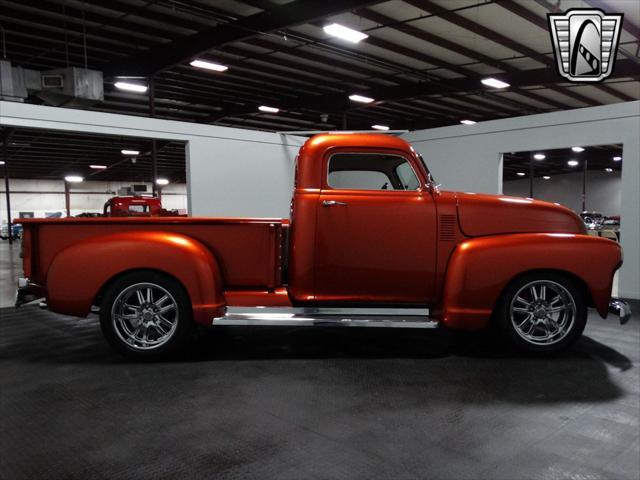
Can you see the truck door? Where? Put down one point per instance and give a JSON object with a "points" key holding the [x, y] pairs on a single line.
{"points": [[376, 230]]}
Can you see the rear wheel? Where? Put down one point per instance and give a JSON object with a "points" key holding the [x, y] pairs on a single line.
{"points": [[543, 312], [146, 315]]}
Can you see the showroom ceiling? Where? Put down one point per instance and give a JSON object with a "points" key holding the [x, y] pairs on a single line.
{"points": [[47, 154], [422, 63], [604, 158]]}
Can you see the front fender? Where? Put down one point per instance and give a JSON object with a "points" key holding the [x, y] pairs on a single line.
{"points": [[480, 269], [81, 270]]}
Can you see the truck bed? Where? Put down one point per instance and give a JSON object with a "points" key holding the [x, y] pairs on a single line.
{"points": [[248, 249]]}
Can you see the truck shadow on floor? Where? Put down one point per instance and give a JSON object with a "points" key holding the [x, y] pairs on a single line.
{"points": [[243, 343], [432, 362]]}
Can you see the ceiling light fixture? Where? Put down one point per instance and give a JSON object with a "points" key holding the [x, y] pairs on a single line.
{"points": [[1, 162], [521, 174], [577, 149], [162, 181], [360, 98], [131, 87], [380, 127], [264, 108], [608, 170], [572, 163], [130, 152], [539, 156], [208, 65], [617, 159], [546, 177], [98, 167], [494, 82], [345, 33], [73, 179], [467, 122]]}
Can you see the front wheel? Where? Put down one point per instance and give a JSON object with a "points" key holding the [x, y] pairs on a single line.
{"points": [[543, 313], [146, 315]]}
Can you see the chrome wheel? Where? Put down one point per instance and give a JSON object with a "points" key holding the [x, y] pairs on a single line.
{"points": [[543, 312], [144, 316]]}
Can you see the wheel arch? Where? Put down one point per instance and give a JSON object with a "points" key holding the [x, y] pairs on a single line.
{"points": [[79, 273], [481, 268]]}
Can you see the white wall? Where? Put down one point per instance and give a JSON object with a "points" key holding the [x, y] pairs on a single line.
{"points": [[603, 190], [252, 177], [468, 158], [42, 196]]}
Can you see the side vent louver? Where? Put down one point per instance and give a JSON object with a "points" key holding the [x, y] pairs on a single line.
{"points": [[447, 228]]}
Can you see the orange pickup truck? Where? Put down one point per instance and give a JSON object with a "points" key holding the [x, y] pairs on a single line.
{"points": [[371, 241]]}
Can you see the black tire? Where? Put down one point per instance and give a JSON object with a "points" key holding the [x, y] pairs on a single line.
{"points": [[146, 322], [539, 318]]}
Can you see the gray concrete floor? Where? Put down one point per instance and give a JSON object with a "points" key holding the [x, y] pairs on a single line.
{"points": [[315, 403]]}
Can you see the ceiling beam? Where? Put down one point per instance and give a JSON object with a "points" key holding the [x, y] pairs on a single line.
{"points": [[184, 49]]}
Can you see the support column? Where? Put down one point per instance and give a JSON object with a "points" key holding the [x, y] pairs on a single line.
{"points": [[584, 185], [5, 157], [531, 174], [67, 198], [154, 147]]}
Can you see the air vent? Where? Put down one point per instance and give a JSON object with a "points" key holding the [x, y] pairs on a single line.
{"points": [[447, 228]]}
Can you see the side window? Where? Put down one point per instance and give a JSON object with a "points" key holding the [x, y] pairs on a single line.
{"points": [[371, 171]]}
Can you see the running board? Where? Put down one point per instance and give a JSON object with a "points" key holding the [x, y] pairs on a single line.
{"points": [[327, 317]]}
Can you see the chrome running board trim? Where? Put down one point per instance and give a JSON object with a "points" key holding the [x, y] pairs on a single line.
{"points": [[327, 317]]}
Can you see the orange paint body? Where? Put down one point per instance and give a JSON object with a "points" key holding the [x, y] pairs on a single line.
{"points": [[451, 252]]}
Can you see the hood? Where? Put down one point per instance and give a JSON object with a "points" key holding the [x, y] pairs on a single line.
{"points": [[482, 214]]}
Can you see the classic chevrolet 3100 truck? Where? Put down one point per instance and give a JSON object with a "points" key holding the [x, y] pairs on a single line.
{"points": [[371, 241]]}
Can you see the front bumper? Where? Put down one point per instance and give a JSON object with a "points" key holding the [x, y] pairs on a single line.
{"points": [[621, 309]]}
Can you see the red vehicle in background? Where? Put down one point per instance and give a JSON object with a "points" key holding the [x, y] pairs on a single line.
{"points": [[137, 206], [134, 206], [371, 241]]}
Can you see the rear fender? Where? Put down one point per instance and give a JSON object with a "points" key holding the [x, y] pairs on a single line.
{"points": [[480, 269], [79, 272]]}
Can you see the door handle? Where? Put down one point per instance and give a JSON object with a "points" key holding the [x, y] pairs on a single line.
{"points": [[333, 203]]}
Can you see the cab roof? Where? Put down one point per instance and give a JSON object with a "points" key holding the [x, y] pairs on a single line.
{"points": [[309, 160]]}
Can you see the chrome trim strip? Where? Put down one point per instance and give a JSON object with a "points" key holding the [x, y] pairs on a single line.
{"points": [[621, 309], [326, 317]]}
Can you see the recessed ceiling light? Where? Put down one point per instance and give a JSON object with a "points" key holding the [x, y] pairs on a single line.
{"points": [[521, 174], [577, 149], [130, 152], [539, 156], [617, 159], [345, 33], [546, 177], [98, 167], [494, 82], [162, 181], [73, 178], [208, 65], [380, 127], [572, 163], [467, 122], [131, 87], [264, 108], [360, 98], [1, 162], [608, 170]]}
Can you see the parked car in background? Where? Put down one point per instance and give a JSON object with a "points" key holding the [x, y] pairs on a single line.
{"points": [[16, 231], [371, 241]]}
